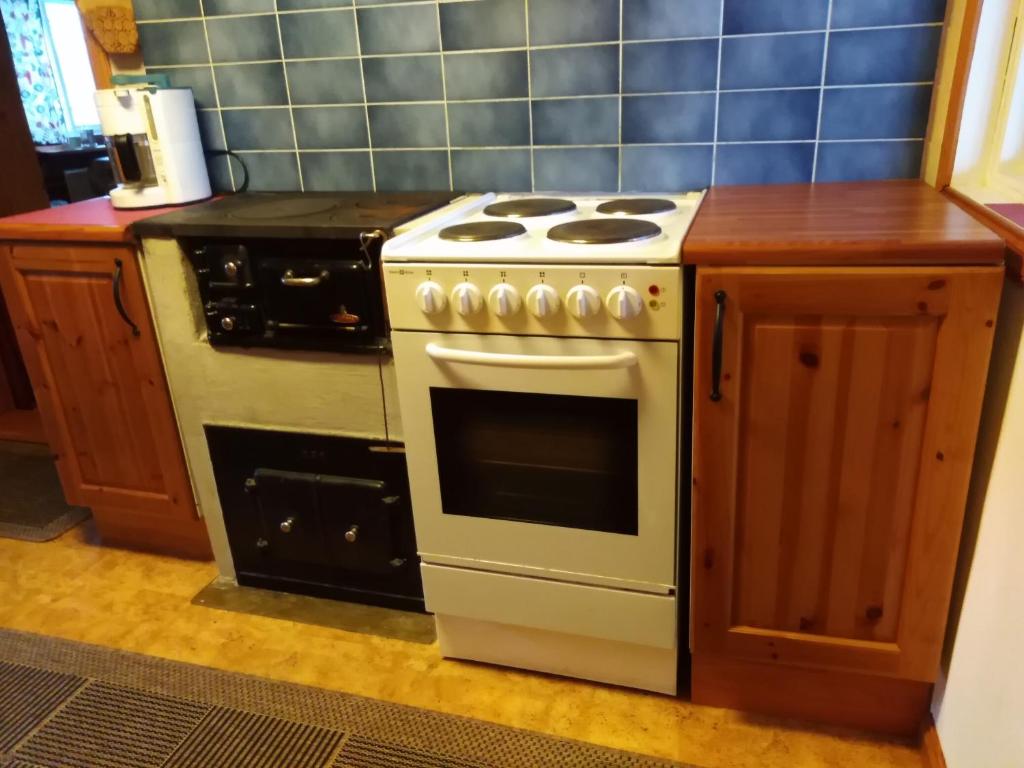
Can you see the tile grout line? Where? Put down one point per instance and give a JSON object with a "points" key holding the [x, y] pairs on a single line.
{"points": [[621, 46], [288, 96], [529, 92], [216, 98], [366, 103], [718, 94], [444, 97], [821, 95]]}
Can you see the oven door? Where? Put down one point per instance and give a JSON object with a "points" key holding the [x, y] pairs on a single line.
{"points": [[544, 456]]}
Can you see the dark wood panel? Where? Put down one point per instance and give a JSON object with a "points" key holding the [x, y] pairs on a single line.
{"points": [[885, 223]]}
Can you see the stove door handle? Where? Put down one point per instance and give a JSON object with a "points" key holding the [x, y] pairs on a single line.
{"points": [[289, 279], [501, 360]]}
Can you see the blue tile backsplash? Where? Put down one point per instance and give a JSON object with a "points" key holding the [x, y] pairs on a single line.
{"points": [[573, 95]]}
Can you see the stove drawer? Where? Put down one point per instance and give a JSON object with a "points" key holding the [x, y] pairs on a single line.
{"points": [[599, 612]]}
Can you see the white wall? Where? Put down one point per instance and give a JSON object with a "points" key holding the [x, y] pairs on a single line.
{"points": [[979, 702]]}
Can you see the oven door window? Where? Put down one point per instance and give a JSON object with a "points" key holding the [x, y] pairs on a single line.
{"points": [[537, 458]]}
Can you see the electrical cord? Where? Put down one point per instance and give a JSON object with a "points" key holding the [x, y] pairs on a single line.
{"points": [[229, 154]]}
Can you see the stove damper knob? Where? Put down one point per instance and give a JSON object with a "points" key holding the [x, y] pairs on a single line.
{"points": [[624, 303], [227, 323], [467, 299], [583, 301], [542, 300], [430, 297], [504, 300]]}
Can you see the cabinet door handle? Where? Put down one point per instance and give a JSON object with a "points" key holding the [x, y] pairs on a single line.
{"points": [[716, 347], [118, 268]]}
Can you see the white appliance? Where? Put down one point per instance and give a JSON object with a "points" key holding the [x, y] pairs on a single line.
{"points": [[537, 349], [155, 151]]}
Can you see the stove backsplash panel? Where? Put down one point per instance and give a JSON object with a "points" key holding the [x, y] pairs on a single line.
{"points": [[572, 95]]}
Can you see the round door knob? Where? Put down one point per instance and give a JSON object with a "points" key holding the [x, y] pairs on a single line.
{"points": [[504, 300], [227, 323], [352, 534], [583, 301], [624, 302], [467, 299], [430, 297], [231, 269], [287, 525], [542, 300]]}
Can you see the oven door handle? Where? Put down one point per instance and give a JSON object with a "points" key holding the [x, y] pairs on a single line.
{"points": [[500, 360], [289, 279]]}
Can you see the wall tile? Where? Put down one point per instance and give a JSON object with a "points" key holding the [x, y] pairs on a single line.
{"points": [[664, 119], [271, 171], [483, 24], [221, 7], [864, 160], [576, 170], [251, 85], [220, 180], [764, 163], [573, 21], [575, 71], [301, 5], [408, 125], [210, 132], [743, 17], [403, 78], [401, 29], [900, 55], [868, 13], [686, 65], [411, 170], [772, 61], [331, 171], [768, 115], [884, 112], [489, 124], [666, 169], [499, 75], [166, 9], [258, 129], [331, 128], [199, 79], [174, 42], [250, 38], [501, 170], [334, 81], [647, 19], [576, 121], [318, 33]]}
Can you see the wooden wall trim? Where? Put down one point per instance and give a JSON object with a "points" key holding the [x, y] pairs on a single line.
{"points": [[99, 59], [958, 91], [931, 747], [1006, 229]]}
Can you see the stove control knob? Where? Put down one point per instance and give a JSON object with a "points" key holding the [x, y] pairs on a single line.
{"points": [[467, 299], [430, 297], [504, 300], [542, 300], [624, 303], [583, 301], [227, 323]]}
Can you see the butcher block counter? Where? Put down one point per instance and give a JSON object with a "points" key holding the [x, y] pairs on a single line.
{"points": [[71, 280], [842, 338]]}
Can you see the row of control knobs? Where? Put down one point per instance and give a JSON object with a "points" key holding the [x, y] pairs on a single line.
{"points": [[582, 301]]}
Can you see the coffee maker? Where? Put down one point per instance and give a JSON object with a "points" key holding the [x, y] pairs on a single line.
{"points": [[152, 135]]}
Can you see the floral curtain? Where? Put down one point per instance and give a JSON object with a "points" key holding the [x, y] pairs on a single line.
{"points": [[36, 78]]}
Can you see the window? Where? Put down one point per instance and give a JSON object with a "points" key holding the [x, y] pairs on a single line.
{"points": [[72, 69]]}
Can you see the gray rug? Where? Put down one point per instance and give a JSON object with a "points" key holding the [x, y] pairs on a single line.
{"points": [[70, 705], [32, 506]]}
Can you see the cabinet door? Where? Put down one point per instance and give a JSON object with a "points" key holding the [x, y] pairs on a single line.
{"points": [[831, 469], [101, 388]]}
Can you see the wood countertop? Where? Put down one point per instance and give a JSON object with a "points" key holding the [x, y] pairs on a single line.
{"points": [[93, 220], [879, 223]]}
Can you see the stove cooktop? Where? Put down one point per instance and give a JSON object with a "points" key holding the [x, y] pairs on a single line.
{"points": [[585, 229], [325, 215]]}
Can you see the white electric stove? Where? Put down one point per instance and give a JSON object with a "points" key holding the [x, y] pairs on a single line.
{"points": [[537, 349]]}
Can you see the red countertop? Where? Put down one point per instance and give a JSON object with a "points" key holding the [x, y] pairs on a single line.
{"points": [[93, 220]]}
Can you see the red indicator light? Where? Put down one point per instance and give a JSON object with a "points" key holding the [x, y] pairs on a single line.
{"points": [[653, 290]]}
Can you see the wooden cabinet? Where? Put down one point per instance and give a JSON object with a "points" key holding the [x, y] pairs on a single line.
{"points": [[99, 382], [831, 466]]}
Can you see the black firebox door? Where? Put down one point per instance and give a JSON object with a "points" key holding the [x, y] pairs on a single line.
{"points": [[326, 516]]}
